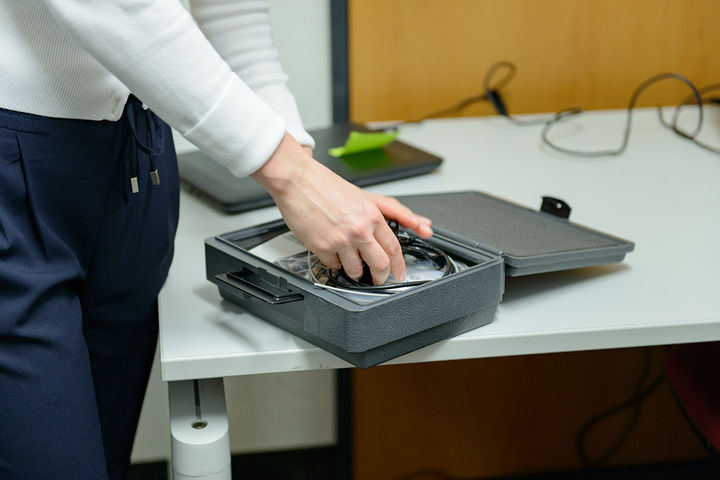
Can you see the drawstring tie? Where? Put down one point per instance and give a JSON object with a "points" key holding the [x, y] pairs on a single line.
{"points": [[153, 135]]}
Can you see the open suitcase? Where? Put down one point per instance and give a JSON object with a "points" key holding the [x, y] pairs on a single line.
{"points": [[489, 236]]}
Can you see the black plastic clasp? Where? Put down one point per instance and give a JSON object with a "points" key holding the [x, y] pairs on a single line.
{"points": [[555, 206], [253, 285]]}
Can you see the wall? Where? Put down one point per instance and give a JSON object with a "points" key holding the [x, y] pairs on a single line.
{"points": [[493, 417], [279, 411], [412, 57]]}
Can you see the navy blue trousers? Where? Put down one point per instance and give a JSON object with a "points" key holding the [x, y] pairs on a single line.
{"points": [[82, 259]]}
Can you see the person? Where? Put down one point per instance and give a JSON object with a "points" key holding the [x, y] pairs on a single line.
{"points": [[89, 203]]}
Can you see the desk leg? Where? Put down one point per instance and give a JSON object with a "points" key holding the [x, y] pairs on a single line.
{"points": [[343, 402], [200, 443]]}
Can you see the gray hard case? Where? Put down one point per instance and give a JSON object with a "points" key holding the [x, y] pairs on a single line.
{"points": [[492, 236]]}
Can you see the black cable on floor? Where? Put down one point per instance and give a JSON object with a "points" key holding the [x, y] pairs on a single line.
{"points": [[641, 392]]}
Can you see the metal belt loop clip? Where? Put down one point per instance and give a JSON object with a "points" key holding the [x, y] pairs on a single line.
{"points": [[153, 137]]}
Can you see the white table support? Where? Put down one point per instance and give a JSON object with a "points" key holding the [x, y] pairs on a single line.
{"points": [[200, 440]]}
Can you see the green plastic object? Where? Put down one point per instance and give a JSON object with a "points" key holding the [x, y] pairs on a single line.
{"points": [[362, 142]]}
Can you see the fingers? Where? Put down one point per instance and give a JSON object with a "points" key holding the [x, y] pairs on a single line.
{"points": [[391, 208], [387, 240], [378, 261], [424, 230], [351, 262], [330, 260], [382, 252]]}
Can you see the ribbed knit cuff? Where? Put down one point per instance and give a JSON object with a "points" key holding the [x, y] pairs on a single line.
{"points": [[283, 103], [240, 131]]}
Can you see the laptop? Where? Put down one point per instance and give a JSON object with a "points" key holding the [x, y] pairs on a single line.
{"points": [[213, 182]]}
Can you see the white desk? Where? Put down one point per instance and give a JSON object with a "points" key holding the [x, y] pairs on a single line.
{"points": [[663, 193]]}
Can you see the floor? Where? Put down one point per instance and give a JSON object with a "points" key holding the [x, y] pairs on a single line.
{"points": [[319, 464]]}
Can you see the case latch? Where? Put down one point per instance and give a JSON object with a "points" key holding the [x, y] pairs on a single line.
{"points": [[555, 206]]}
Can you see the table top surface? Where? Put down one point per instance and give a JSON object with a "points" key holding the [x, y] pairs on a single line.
{"points": [[663, 194]]}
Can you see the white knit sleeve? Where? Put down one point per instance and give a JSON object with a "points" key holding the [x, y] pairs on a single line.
{"points": [[240, 31], [155, 48]]}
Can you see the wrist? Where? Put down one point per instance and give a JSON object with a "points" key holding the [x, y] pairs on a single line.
{"points": [[282, 170]]}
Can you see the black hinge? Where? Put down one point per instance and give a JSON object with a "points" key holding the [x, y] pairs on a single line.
{"points": [[555, 206]]}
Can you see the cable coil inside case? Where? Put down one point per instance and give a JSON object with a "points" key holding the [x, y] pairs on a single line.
{"points": [[424, 263], [454, 284]]}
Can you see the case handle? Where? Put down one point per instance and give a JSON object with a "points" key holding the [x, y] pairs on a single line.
{"points": [[240, 281]]}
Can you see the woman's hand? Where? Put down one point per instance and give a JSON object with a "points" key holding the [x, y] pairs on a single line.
{"points": [[339, 222]]}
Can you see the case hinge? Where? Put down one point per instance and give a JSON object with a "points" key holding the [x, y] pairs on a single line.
{"points": [[556, 207]]}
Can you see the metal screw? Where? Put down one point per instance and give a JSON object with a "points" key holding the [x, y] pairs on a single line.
{"points": [[199, 424]]}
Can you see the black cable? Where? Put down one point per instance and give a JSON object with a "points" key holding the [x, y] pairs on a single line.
{"points": [[458, 107], [641, 392], [491, 93], [673, 126], [628, 124]]}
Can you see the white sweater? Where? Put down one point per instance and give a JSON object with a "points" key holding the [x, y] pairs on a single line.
{"points": [[220, 85]]}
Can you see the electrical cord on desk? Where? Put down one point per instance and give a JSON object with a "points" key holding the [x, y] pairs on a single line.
{"points": [[673, 126], [635, 402], [563, 114], [491, 93]]}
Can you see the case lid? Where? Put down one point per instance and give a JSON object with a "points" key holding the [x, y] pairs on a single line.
{"points": [[529, 241]]}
